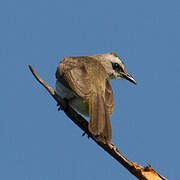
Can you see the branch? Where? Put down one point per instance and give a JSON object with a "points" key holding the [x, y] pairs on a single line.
{"points": [[141, 172]]}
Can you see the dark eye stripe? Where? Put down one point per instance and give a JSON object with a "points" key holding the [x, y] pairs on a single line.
{"points": [[117, 67]]}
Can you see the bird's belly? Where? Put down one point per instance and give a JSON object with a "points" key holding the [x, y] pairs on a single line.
{"points": [[74, 100], [80, 105]]}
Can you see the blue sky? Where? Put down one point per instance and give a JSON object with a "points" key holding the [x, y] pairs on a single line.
{"points": [[39, 143]]}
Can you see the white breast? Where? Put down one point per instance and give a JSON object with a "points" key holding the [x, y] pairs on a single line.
{"points": [[75, 101], [63, 91]]}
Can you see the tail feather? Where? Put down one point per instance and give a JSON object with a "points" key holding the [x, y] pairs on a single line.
{"points": [[107, 129], [97, 115], [99, 124]]}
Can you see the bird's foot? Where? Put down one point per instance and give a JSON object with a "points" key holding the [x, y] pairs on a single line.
{"points": [[84, 133], [111, 146], [59, 107], [64, 106]]}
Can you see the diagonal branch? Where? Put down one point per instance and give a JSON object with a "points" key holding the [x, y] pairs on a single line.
{"points": [[141, 172]]}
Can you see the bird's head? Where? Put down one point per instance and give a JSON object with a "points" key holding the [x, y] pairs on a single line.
{"points": [[114, 66]]}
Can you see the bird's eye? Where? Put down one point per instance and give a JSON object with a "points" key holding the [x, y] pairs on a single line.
{"points": [[115, 66]]}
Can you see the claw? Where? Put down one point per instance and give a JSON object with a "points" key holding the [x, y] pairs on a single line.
{"points": [[65, 102], [59, 107], [84, 133], [112, 146]]}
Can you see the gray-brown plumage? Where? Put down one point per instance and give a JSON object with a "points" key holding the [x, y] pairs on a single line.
{"points": [[85, 82]]}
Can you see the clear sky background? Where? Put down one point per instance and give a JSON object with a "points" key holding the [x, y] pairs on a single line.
{"points": [[39, 143]]}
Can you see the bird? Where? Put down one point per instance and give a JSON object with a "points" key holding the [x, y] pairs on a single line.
{"points": [[84, 82]]}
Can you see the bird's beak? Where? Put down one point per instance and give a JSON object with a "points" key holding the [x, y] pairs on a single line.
{"points": [[128, 77]]}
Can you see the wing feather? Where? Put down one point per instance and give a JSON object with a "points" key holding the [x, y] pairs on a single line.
{"points": [[109, 99], [89, 80]]}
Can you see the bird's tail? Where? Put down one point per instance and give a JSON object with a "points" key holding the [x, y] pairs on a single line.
{"points": [[99, 124]]}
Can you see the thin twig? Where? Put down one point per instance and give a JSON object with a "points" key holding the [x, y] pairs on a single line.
{"points": [[141, 172]]}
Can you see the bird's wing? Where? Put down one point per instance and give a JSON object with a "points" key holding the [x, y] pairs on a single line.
{"points": [[88, 79], [78, 78], [109, 99], [83, 75]]}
